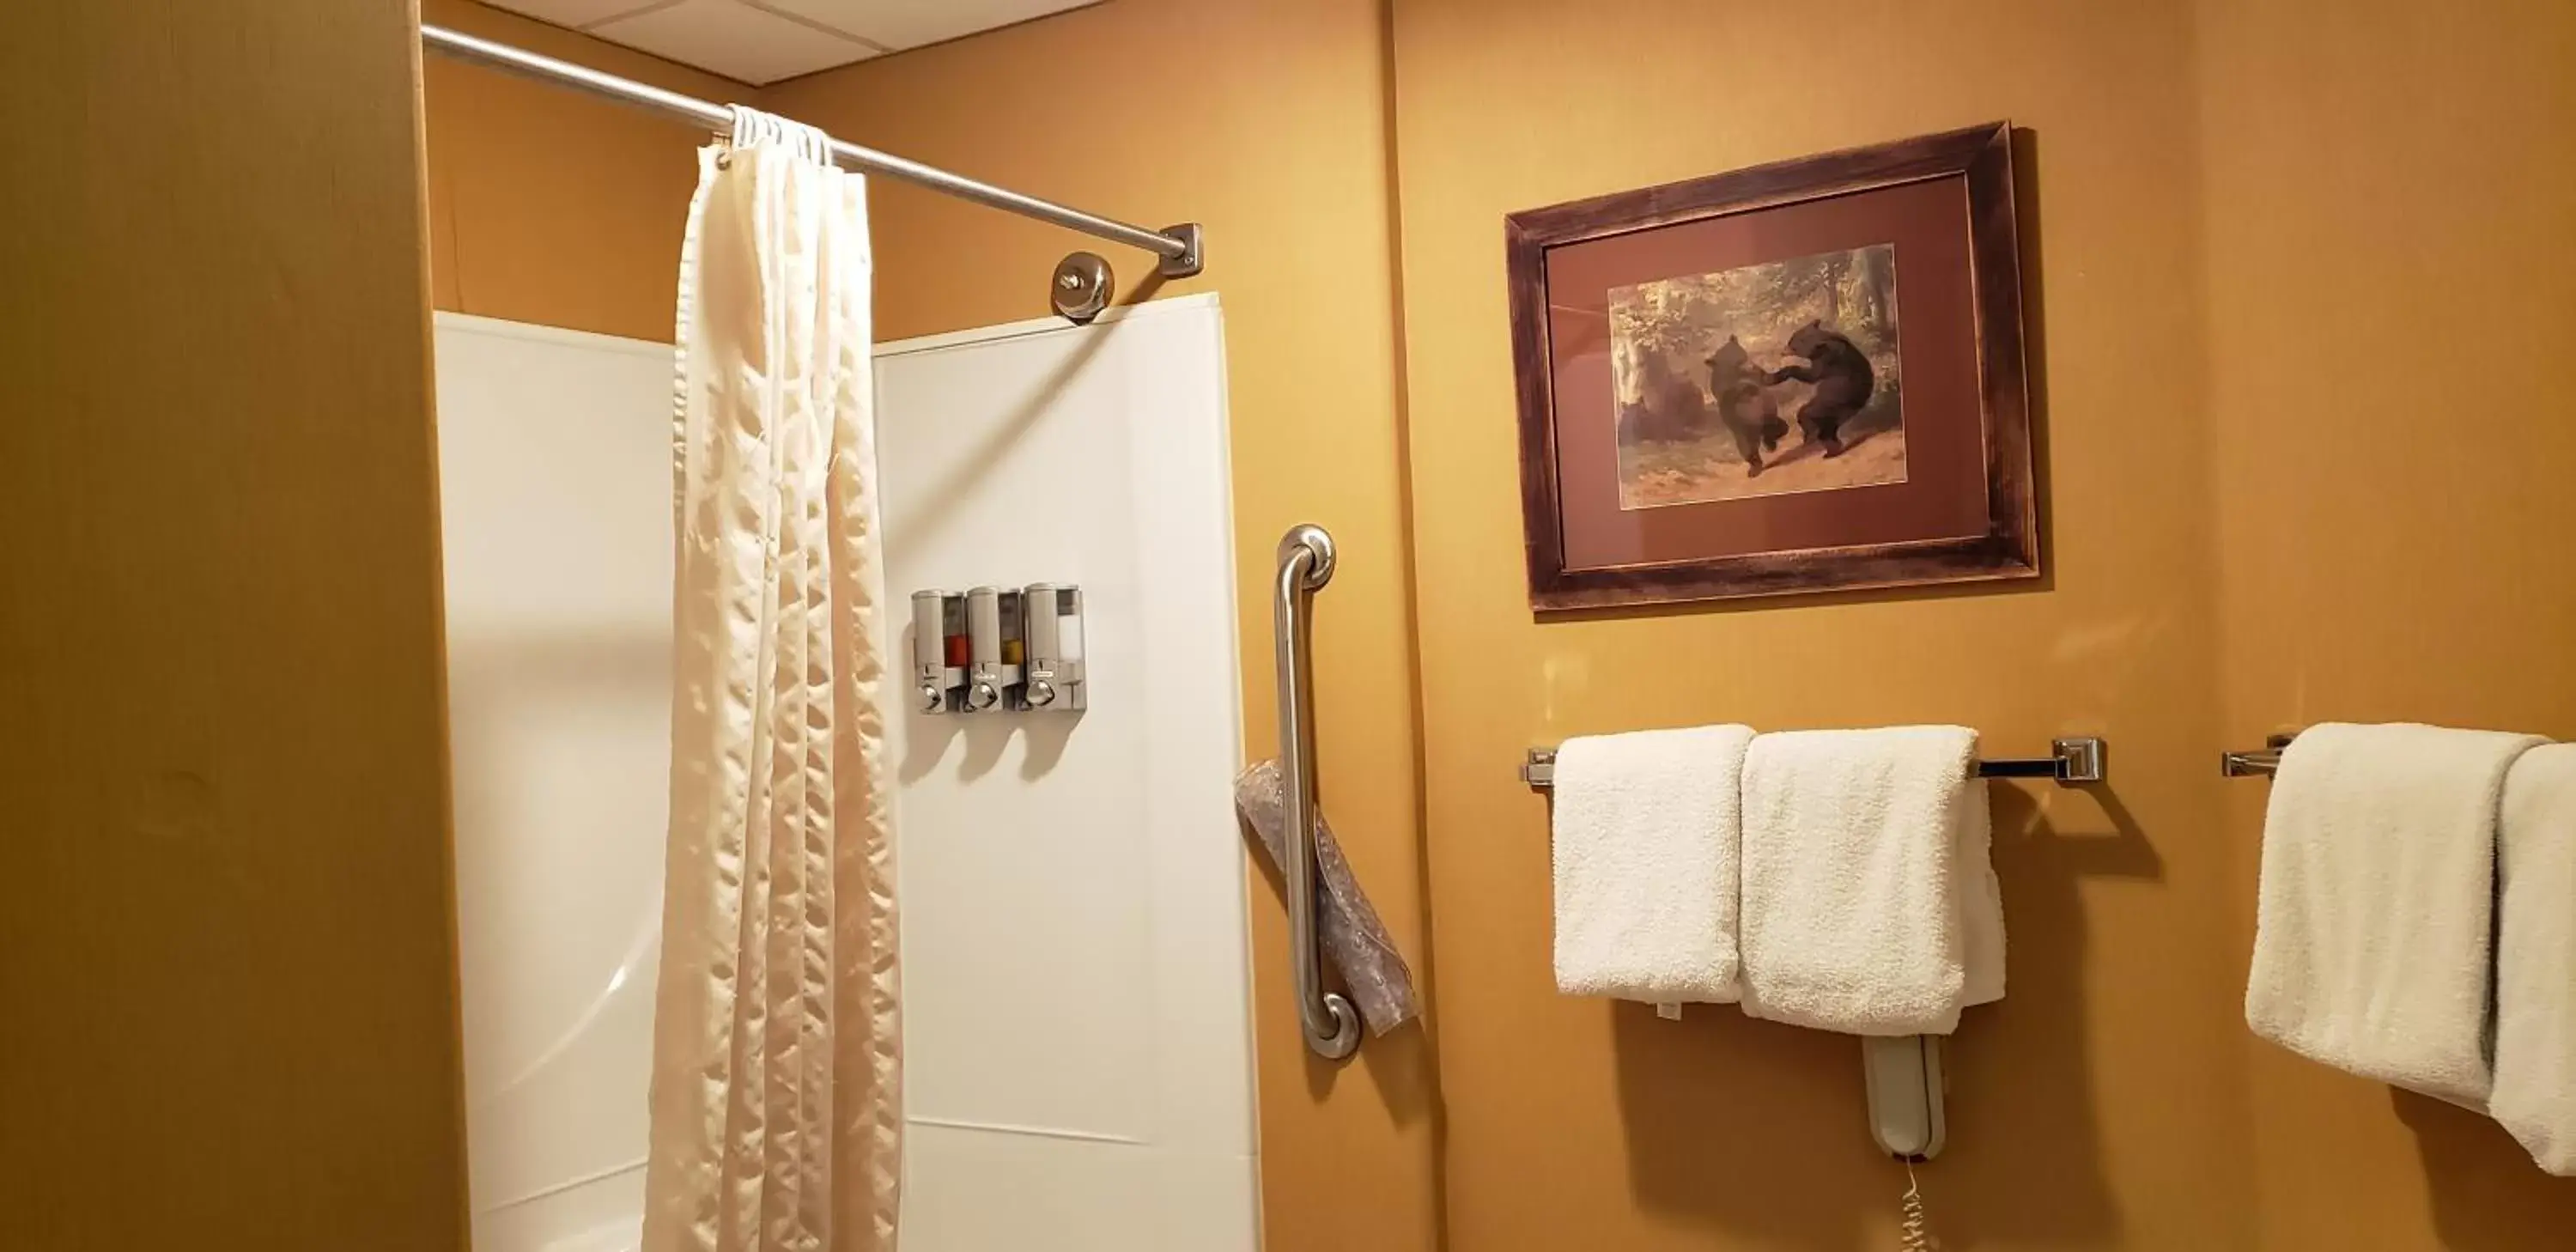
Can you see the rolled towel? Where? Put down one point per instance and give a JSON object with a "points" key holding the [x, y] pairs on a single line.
{"points": [[2535, 966], [2371, 934], [1646, 831], [1355, 942], [1870, 900]]}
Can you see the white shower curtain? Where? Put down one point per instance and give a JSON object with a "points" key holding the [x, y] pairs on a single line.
{"points": [[775, 1045]]}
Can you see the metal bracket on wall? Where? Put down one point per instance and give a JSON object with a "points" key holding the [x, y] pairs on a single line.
{"points": [[1193, 254], [2261, 764], [1081, 286]]}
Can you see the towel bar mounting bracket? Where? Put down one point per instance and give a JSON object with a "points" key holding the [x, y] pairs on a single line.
{"points": [[2256, 764]]}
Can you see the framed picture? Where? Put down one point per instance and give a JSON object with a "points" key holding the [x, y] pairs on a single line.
{"points": [[1798, 377]]}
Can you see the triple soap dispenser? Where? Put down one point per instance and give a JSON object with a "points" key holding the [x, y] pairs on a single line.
{"points": [[1016, 649]]}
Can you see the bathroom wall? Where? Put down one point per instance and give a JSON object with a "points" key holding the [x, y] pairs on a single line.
{"points": [[1076, 965], [552, 206], [2099, 1106], [2218, 198], [224, 937], [2239, 240], [2390, 298], [1264, 121], [2232, 217], [554, 473]]}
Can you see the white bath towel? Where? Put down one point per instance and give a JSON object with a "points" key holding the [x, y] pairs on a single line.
{"points": [[2535, 967], [1870, 902], [1646, 832], [2371, 939]]}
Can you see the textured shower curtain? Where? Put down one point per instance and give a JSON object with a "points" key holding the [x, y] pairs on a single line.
{"points": [[775, 1048]]}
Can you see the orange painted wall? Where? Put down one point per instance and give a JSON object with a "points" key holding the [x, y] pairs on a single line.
{"points": [[2304, 448], [224, 890], [551, 206], [2099, 1106], [1265, 122], [2182, 166], [2391, 297]]}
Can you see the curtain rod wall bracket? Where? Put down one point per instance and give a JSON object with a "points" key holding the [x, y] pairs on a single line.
{"points": [[1081, 287], [1191, 258]]}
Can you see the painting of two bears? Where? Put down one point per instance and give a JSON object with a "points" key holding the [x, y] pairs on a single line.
{"points": [[1713, 400], [1760, 380]]}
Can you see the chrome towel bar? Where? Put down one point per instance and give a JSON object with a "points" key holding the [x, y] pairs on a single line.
{"points": [[2071, 762]]}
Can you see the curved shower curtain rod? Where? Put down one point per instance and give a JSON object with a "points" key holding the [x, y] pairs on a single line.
{"points": [[1176, 247]]}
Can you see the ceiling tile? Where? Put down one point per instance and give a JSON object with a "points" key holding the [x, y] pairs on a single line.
{"points": [[912, 23], [735, 40], [574, 12]]}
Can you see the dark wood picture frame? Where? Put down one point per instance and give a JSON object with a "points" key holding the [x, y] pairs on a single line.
{"points": [[1981, 156]]}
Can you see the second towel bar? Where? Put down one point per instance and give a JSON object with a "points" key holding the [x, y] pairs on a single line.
{"points": [[2072, 762]]}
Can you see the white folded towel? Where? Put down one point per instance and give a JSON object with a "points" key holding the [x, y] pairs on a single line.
{"points": [[2535, 1038], [1870, 902], [2371, 929], [1646, 833]]}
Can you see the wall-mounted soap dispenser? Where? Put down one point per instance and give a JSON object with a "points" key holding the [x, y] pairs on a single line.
{"points": [[995, 648], [939, 651], [1052, 613]]}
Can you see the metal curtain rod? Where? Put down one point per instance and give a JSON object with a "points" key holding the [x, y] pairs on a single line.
{"points": [[2072, 762], [1177, 246]]}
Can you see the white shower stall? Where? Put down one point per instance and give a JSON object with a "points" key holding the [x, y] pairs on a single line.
{"points": [[1078, 1068]]}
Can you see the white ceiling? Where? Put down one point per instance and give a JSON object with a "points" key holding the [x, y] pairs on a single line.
{"points": [[762, 41]]}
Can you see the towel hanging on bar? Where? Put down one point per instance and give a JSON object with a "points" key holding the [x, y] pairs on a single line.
{"points": [[1348, 928]]}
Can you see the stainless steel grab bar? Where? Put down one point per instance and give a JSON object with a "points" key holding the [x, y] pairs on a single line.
{"points": [[1326, 1018]]}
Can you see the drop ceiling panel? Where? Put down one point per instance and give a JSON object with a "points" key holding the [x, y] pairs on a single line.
{"points": [[762, 41], [912, 23], [576, 13], [735, 40]]}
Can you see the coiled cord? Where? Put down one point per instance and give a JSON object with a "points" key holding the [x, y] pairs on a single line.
{"points": [[1914, 1233]]}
